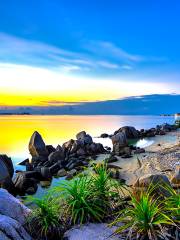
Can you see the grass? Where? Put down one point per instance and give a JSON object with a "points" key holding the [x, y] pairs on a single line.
{"points": [[44, 223], [144, 218], [94, 197]]}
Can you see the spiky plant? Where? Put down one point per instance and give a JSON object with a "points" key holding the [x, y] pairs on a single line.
{"points": [[106, 189], [172, 205], [43, 222], [78, 200], [144, 218]]}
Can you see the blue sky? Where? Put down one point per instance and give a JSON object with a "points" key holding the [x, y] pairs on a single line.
{"points": [[113, 41]]}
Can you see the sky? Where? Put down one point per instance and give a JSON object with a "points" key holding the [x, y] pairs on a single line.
{"points": [[66, 52]]}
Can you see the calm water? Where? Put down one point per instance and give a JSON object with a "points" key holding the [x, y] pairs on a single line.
{"points": [[15, 131]]}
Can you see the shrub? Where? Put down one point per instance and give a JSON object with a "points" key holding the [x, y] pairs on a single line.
{"points": [[43, 222], [78, 200], [145, 217]]}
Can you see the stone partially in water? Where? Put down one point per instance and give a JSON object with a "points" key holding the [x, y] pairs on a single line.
{"points": [[37, 146]]}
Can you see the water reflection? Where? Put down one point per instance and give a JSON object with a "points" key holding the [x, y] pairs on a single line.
{"points": [[16, 130]]}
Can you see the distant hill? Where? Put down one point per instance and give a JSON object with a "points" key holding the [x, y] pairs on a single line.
{"points": [[141, 105]]}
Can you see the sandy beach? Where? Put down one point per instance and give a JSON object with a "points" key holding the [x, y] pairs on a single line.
{"points": [[160, 157]]}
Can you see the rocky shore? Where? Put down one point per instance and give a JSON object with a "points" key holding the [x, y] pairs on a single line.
{"points": [[74, 156], [136, 166]]}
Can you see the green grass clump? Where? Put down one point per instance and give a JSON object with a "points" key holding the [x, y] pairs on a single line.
{"points": [[43, 223], [145, 217]]}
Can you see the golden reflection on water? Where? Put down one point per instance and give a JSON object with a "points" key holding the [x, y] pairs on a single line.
{"points": [[15, 131]]}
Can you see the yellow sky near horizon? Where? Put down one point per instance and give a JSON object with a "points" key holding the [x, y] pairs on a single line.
{"points": [[22, 85]]}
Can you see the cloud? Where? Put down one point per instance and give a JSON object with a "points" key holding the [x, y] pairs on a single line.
{"points": [[93, 56], [110, 49]]}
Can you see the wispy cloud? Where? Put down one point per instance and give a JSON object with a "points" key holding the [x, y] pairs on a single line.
{"points": [[93, 56]]}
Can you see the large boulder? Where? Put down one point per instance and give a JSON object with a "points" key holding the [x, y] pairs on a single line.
{"points": [[84, 138], [10, 229], [99, 231], [6, 173], [119, 142], [129, 131], [160, 181], [7, 162], [12, 207], [37, 146]]}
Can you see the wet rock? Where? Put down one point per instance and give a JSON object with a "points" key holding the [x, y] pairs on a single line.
{"points": [[119, 142], [37, 146]]}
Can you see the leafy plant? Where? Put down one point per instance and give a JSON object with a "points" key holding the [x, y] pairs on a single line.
{"points": [[106, 189], [78, 200], [145, 217], [43, 222]]}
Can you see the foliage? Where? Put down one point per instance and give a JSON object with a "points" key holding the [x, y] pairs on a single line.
{"points": [[43, 222], [145, 217], [78, 202]]}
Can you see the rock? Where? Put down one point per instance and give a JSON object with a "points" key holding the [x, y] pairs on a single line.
{"points": [[54, 168], [91, 231], [84, 138], [8, 184], [130, 132], [8, 163], [120, 139], [139, 150], [61, 173], [67, 146], [159, 180], [10, 229], [24, 162], [45, 184], [22, 182], [56, 156], [50, 149], [46, 173], [175, 180], [38, 160], [71, 174], [111, 159], [81, 152], [119, 143], [12, 207], [80, 135], [37, 146], [104, 135]]}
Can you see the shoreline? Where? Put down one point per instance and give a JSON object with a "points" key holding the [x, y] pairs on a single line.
{"points": [[161, 156]]}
